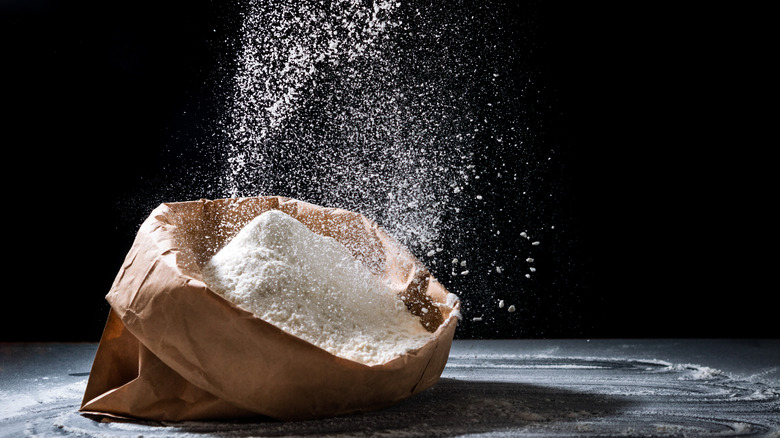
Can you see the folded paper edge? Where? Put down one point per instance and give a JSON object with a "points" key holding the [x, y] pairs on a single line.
{"points": [[159, 406]]}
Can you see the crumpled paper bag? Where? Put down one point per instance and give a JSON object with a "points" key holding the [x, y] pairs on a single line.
{"points": [[173, 350]]}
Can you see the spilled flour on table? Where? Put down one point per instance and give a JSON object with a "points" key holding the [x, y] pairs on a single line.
{"points": [[487, 389], [312, 287], [38, 395]]}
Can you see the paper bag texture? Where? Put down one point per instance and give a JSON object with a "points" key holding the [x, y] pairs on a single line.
{"points": [[174, 350]]}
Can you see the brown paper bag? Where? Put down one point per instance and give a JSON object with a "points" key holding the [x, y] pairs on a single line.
{"points": [[174, 350]]}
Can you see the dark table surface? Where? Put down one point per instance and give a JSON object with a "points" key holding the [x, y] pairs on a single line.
{"points": [[616, 387]]}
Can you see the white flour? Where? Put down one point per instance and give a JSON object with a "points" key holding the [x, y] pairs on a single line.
{"points": [[311, 286]]}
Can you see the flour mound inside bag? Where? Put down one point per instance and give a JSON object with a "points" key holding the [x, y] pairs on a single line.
{"points": [[312, 287]]}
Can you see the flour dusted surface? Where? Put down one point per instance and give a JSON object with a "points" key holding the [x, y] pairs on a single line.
{"points": [[310, 286]]}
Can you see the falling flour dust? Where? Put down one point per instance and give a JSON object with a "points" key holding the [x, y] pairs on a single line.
{"points": [[312, 287], [325, 107], [411, 114]]}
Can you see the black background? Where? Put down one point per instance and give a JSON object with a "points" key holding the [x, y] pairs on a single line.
{"points": [[656, 112]]}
